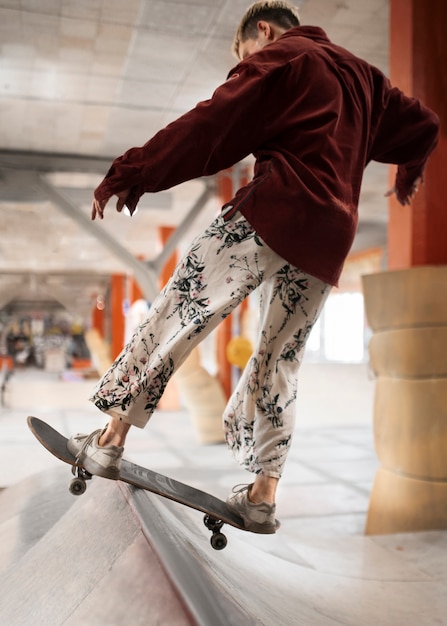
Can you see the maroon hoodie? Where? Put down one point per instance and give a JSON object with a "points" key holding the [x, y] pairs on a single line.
{"points": [[314, 116]]}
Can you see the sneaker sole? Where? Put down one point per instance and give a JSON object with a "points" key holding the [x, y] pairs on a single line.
{"points": [[98, 470], [254, 527], [261, 529]]}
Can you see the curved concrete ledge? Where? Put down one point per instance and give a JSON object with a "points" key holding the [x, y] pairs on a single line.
{"points": [[118, 555], [91, 566], [351, 581]]}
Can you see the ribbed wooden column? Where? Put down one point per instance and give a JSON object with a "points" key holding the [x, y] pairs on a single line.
{"points": [[407, 310]]}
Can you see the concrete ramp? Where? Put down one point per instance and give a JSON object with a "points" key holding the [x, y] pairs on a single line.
{"points": [[277, 581], [89, 564], [118, 555], [93, 560]]}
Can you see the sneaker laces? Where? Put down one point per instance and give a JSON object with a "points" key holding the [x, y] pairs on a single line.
{"points": [[87, 441], [241, 488]]}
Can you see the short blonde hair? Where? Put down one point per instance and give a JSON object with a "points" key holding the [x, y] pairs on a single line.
{"points": [[281, 13]]}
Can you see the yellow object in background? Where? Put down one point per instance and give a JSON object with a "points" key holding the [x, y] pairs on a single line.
{"points": [[239, 350]]}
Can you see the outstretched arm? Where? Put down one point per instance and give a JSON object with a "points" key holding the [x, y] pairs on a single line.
{"points": [[211, 137], [406, 134]]}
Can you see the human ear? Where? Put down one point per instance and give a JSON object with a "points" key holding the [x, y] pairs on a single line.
{"points": [[264, 29]]}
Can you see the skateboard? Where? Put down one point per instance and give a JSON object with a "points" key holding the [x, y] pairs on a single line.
{"points": [[216, 511]]}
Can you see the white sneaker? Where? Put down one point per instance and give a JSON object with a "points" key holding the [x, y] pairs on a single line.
{"points": [[99, 460]]}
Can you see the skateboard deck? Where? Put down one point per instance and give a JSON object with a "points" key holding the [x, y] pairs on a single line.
{"points": [[216, 511]]}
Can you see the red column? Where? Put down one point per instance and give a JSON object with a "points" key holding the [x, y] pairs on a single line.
{"points": [[117, 321], [170, 400], [124, 290], [418, 61], [135, 291], [168, 268], [227, 189], [98, 316], [225, 329]]}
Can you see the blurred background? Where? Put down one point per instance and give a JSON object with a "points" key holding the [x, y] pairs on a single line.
{"points": [[81, 81]]}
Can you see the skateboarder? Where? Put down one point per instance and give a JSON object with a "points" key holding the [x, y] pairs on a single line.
{"points": [[313, 115]]}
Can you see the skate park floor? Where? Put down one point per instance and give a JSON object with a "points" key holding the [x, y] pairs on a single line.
{"points": [[119, 555]]}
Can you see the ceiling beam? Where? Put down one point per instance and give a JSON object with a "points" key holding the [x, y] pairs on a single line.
{"points": [[144, 275], [158, 263], [46, 162]]}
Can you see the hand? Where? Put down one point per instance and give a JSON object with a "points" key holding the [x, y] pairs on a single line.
{"points": [[98, 206], [403, 201], [121, 202]]}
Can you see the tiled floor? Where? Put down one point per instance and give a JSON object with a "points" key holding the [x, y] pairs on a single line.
{"points": [[322, 503]]}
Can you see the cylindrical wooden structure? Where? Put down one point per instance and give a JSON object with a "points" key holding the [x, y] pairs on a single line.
{"points": [[407, 310], [203, 397]]}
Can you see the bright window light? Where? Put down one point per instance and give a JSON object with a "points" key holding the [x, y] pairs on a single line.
{"points": [[313, 343], [344, 328]]}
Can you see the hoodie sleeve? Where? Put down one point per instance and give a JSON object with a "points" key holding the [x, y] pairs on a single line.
{"points": [[213, 136], [406, 134]]}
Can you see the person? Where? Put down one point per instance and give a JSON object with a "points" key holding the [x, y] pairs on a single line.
{"points": [[313, 115]]}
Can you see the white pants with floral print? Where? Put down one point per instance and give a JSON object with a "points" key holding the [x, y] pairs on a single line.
{"points": [[222, 266]]}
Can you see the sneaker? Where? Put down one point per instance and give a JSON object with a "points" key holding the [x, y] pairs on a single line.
{"points": [[258, 518], [99, 460]]}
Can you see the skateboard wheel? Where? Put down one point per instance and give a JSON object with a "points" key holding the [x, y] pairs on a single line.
{"points": [[77, 486], [218, 541]]}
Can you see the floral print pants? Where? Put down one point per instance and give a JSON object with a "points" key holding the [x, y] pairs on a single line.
{"points": [[222, 266]]}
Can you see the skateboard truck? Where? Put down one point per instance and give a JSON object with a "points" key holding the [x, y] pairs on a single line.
{"points": [[78, 484], [218, 540]]}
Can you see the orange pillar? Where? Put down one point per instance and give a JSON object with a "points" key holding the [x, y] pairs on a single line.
{"points": [[224, 335], [117, 322], [165, 233], [98, 316], [122, 288], [170, 400], [406, 308], [225, 329], [227, 190], [135, 291], [418, 58]]}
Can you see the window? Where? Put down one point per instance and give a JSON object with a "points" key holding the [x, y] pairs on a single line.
{"points": [[339, 334]]}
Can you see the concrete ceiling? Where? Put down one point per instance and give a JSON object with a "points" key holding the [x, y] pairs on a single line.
{"points": [[81, 81]]}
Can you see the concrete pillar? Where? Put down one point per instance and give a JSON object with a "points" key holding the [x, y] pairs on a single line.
{"points": [[117, 324], [224, 332], [170, 400], [229, 182], [407, 309]]}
